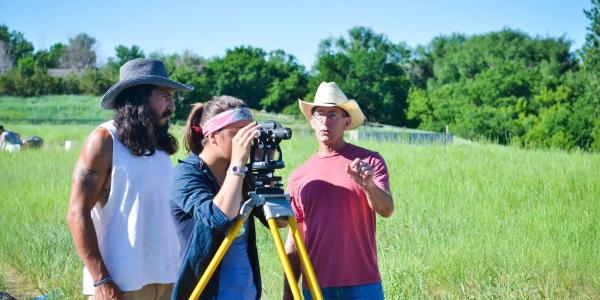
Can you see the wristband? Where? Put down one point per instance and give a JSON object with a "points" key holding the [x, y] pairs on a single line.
{"points": [[103, 281]]}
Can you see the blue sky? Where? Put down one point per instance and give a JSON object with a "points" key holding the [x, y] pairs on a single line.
{"points": [[209, 27]]}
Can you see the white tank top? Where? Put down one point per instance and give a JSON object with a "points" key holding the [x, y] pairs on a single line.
{"points": [[136, 235]]}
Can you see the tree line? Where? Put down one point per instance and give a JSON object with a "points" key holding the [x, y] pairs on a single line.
{"points": [[505, 86]]}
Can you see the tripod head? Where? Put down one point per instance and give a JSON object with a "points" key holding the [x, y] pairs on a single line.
{"points": [[265, 157], [263, 160]]}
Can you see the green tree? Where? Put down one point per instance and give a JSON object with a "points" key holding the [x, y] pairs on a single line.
{"points": [[55, 53], [590, 51], [45, 59], [26, 66], [18, 46], [486, 85], [242, 73], [369, 68], [125, 54], [187, 68], [265, 81], [13, 47], [589, 91], [289, 82], [92, 82]]}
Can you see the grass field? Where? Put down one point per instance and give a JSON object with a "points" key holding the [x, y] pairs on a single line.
{"points": [[471, 221], [47, 108]]}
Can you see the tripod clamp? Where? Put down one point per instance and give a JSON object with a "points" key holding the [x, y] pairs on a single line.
{"points": [[274, 205]]}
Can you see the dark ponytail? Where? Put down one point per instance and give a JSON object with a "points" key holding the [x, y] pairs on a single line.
{"points": [[192, 134]]}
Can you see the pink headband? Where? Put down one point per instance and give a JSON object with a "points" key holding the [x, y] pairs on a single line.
{"points": [[225, 119]]}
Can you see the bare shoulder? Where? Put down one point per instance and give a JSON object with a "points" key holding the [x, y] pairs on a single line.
{"points": [[92, 170], [96, 153], [98, 145]]}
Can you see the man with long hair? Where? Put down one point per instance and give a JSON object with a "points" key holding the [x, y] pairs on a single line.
{"points": [[118, 212]]}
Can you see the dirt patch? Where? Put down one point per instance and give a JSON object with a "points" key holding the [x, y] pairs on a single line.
{"points": [[18, 285]]}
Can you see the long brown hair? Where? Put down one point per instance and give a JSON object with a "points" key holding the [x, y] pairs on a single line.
{"points": [[193, 140], [137, 123]]}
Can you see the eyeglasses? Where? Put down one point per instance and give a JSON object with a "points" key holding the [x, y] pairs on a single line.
{"points": [[322, 116]]}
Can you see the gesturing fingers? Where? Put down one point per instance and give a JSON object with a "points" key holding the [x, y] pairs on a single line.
{"points": [[367, 172], [355, 163], [359, 166], [360, 171]]}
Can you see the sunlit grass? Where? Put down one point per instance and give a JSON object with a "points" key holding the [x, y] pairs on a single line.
{"points": [[52, 107], [2, 282], [477, 221]]}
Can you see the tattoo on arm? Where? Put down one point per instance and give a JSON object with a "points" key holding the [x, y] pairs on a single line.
{"points": [[84, 175]]}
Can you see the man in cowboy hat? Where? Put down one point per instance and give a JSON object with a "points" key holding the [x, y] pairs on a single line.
{"points": [[336, 194], [118, 212]]}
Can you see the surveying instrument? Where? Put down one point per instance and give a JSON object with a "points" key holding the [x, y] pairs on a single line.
{"points": [[275, 203]]}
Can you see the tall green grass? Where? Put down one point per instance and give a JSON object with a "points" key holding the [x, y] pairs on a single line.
{"points": [[476, 221], [48, 108], [2, 282]]}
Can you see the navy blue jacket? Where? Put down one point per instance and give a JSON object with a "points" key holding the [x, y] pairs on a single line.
{"points": [[201, 227]]}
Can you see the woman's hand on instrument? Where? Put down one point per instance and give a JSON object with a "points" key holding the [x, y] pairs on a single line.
{"points": [[242, 142]]}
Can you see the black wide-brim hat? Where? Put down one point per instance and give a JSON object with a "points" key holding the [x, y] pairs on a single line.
{"points": [[137, 72]]}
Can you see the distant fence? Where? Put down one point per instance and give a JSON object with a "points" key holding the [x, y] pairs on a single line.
{"points": [[403, 137]]}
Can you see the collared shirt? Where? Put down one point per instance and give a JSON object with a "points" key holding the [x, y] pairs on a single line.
{"points": [[201, 225]]}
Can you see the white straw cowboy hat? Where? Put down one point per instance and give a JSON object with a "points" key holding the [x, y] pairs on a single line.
{"points": [[330, 95], [137, 72]]}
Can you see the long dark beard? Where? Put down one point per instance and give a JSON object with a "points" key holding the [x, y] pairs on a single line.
{"points": [[165, 141], [140, 131]]}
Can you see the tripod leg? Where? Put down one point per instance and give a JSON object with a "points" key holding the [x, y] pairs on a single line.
{"points": [[285, 262], [212, 266], [309, 273]]}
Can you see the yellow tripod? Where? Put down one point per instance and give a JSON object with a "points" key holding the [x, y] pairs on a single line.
{"points": [[274, 206]]}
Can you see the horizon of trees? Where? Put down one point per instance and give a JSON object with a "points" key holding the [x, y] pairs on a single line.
{"points": [[504, 86]]}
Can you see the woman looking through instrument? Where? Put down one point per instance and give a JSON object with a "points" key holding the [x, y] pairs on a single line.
{"points": [[207, 190]]}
